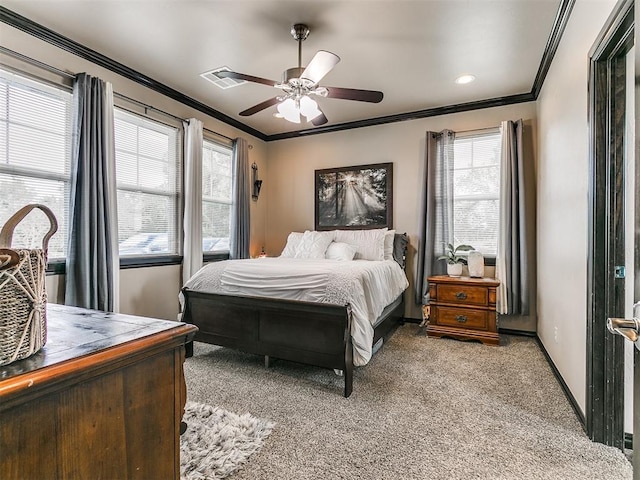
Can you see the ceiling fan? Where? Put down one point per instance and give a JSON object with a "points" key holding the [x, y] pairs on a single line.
{"points": [[299, 84]]}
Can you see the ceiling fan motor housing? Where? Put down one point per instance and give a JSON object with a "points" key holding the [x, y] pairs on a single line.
{"points": [[292, 73]]}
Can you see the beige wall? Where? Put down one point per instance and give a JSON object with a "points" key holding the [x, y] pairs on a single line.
{"points": [[149, 292], [292, 164], [562, 197]]}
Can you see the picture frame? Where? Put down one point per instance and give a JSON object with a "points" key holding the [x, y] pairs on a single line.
{"points": [[354, 198]]}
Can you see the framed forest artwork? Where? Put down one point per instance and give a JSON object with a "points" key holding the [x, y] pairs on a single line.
{"points": [[358, 197]]}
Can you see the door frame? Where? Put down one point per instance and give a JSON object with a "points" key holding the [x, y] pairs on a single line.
{"points": [[605, 294]]}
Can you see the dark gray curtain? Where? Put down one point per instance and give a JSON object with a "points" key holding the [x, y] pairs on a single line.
{"points": [[92, 257], [436, 213], [241, 194], [512, 260]]}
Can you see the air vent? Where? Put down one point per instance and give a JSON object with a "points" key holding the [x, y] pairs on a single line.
{"points": [[223, 83]]}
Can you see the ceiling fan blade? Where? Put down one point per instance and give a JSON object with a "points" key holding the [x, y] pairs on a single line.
{"points": [[321, 64], [319, 120], [248, 78], [372, 96], [259, 107]]}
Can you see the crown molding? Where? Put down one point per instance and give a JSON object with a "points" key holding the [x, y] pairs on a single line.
{"points": [[402, 117], [559, 24]]}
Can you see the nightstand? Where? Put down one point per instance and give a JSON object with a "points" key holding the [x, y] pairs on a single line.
{"points": [[463, 308]]}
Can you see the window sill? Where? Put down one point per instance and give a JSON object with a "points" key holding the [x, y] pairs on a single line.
{"points": [[215, 257], [489, 261], [149, 261], [58, 266]]}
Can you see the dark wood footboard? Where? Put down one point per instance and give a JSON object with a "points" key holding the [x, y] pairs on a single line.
{"points": [[311, 333]]}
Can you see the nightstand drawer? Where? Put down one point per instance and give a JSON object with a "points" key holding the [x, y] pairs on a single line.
{"points": [[463, 294], [462, 317]]}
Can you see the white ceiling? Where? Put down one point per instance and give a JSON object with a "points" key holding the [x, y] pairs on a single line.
{"points": [[411, 50]]}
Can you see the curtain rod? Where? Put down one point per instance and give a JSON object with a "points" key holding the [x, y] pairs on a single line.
{"points": [[180, 119], [484, 129], [35, 62], [64, 74]]}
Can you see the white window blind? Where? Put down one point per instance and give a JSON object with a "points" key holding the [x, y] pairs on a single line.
{"points": [[148, 178], [35, 157], [477, 190], [216, 196]]}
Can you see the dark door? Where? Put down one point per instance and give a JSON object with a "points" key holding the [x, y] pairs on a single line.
{"points": [[612, 260]]}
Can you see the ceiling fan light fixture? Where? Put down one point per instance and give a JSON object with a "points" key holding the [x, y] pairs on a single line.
{"points": [[289, 110], [309, 108]]}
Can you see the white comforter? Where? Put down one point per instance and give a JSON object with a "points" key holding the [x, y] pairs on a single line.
{"points": [[368, 286]]}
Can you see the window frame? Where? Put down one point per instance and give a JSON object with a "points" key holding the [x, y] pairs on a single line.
{"points": [[55, 265], [211, 256], [162, 259], [489, 259]]}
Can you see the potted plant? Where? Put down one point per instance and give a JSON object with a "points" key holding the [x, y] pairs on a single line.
{"points": [[455, 261]]}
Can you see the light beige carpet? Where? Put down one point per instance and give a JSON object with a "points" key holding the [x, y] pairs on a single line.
{"points": [[423, 408]]}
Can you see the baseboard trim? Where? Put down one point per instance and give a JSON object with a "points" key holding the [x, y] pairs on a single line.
{"points": [[563, 385], [520, 333], [628, 441], [411, 320]]}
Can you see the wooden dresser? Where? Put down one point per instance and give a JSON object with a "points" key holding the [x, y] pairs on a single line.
{"points": [[463, 308], [103, 399]]}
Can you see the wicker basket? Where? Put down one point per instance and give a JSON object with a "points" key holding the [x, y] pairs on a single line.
{"points": [[23, 297]]}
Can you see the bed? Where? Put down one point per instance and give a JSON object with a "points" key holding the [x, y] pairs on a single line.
{"points": [[306, 306]]}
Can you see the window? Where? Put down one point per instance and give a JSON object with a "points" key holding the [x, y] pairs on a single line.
{"points": [[476, 185], [35, 157], [148, 178], [217, 176]]}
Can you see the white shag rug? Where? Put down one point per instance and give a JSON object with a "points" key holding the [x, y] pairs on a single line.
{"points": [[218, 442]]}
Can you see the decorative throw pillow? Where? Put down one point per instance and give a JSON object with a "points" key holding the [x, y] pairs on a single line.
{"points": [[340, 251], [313, 244], [388, 244], [400, 243], [369, 244], [292, 244]]}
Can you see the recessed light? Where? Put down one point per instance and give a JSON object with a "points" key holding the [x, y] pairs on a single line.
{"points": [[462, 79], [278, 115]]}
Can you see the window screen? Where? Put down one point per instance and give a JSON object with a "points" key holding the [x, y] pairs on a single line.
{"points": [[217, 176], [35, 157], [477, 190], [148, 179]]}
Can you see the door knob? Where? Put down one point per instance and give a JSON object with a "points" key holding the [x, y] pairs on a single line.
{"points": [[630, 329]]}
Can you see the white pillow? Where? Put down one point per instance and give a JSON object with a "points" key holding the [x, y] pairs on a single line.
{"points": [[313, 244], [340, 251], [292, 244], [369, 244], [388, 244]]}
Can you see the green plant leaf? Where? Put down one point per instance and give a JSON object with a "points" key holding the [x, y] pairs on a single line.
{"points": [[463, 248]]}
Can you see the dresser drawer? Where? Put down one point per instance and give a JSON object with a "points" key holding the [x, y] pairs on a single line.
{"points": [[462, 294], [462, 317]]}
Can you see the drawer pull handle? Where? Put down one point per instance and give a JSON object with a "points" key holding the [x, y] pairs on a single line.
{"points": [[461, 296], [461, 318]]}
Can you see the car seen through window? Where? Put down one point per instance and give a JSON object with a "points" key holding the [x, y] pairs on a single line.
{"points": [[158, 244]]}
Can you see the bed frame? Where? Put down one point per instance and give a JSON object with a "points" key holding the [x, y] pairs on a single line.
{"points": [[312, 333]]}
